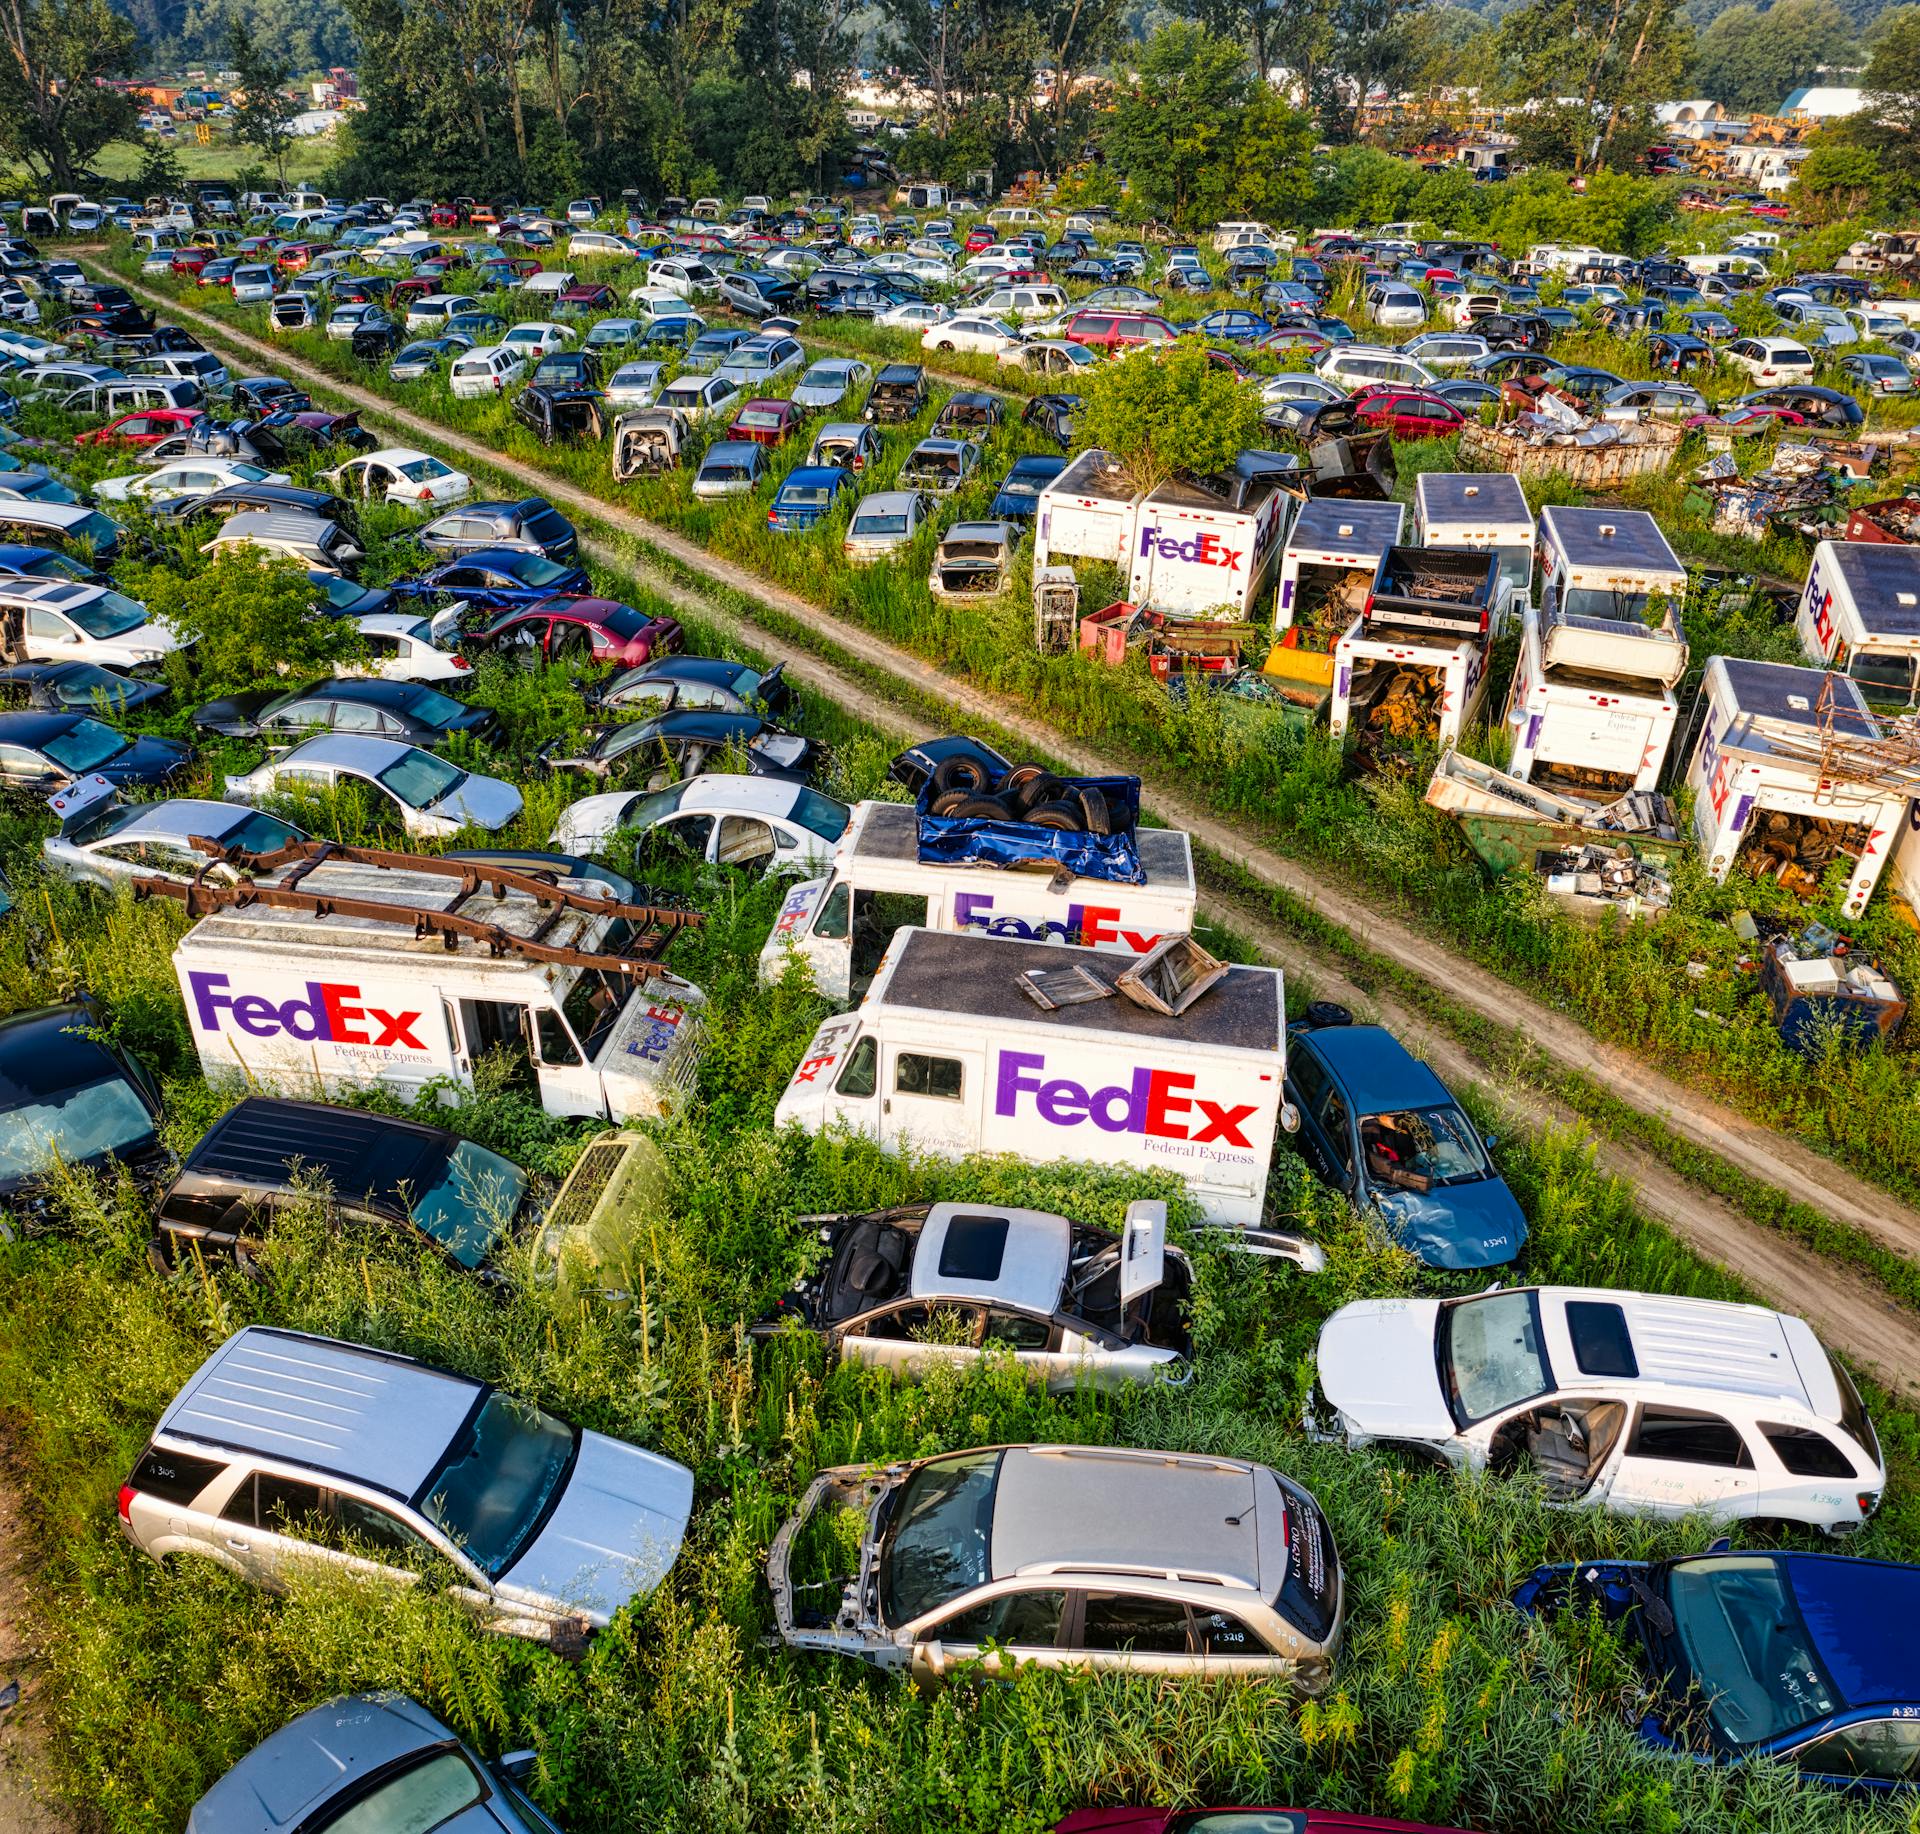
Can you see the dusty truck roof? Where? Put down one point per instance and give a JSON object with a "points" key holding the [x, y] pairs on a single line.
{"points": [[1610, 538], [891, 831], [1785, 697], [1338, 523], [1883, 579], [1462, 496], [938, 972]]}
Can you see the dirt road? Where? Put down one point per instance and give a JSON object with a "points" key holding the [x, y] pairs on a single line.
{"points": [[27, 1806], [1852, 1312]]}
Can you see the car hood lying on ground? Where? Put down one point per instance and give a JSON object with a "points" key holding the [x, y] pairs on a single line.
{"points": [[614, 1536], [1377, 1366]]}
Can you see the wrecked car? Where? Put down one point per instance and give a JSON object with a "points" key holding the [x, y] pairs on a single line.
{"points": [[974, 561]]}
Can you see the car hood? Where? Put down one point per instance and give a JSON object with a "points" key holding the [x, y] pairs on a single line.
{"points": [[1376, 1363], [588, 823], [486, 802], [151, 639], [614, 1536], [146, 760], [1455, 1225]]}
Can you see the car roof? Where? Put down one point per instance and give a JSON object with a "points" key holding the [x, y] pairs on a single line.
{"points": [[696, 668], [180, 817], [1376, 1071], [972, 1252], [1076, 1508], [736, 791], [889, 502], [55, 1049], [263, 1141], [370, 1415], [351, 750], [1863, 1632], [32, 589], [33, 729]]}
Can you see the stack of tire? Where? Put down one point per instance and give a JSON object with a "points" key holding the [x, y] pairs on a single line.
{"points": [[963, 789]]}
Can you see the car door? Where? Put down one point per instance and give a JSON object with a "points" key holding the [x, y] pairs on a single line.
{"points": [[1025, 1622], [277, 1527], [1879, 1752], [20, 766], [911, 1337], [929, 1097], [1681, 1459], [1120, 1629]]}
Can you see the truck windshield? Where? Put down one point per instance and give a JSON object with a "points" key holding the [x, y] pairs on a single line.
{"points": [[1490, 1354], [591, 1007], [1739, 1627], [940, 1537], [1606, 602], [499, 1482], [472, 1203]]}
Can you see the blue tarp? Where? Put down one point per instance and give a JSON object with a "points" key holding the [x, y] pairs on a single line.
{"points": [[947, 840]]}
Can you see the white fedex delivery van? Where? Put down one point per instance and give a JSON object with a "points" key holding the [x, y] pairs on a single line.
{"points": [[947, 1053], [841, 925]]}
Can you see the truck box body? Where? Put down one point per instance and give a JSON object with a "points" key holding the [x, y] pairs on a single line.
{"points": [[1333, 558], [1587, 734], [1601, 573], [1195, 555], [1750, 796], [947, 1053], [305, 1005], [1480, 509], [1376, 663], [1860, 613], [1085, 512], [840, 925]]}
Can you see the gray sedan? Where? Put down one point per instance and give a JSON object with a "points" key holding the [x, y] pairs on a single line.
{"points": [[107, 843], [829, 382]]}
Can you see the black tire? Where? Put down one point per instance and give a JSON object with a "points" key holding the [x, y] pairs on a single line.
{"points": [[160, 1255], [1038, 790], [949, 801], [961, 773], [981, 808], [1018, 778], [1093, 808], [1063, 817], [1327, 1012]]}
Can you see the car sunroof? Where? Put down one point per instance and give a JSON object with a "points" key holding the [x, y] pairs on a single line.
{"points": [[974, 1248], [1601, 1343]]}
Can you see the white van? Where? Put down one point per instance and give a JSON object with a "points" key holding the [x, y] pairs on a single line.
{"points": [[1014, 216], [947, 1054], [841, 925], [1353, 365], [488, 369], [551, 281], [1486, 511]]}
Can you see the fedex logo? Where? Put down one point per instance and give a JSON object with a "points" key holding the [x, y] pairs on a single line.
{"points": [[1206, 550], [1819, 608], [1096, 925], [662, 1028], [331, 1013], [1156, 1103]]}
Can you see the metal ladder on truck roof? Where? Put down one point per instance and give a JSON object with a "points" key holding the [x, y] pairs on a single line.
{"points": [[653, 926]]}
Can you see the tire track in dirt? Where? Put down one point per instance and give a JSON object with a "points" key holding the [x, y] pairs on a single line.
{"points": [[1850, 1310]]}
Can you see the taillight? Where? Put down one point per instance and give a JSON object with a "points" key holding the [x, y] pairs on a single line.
{"points": [[460, 662], [773, 518], [425, 495], [1869, 1501], [127, 1494]]}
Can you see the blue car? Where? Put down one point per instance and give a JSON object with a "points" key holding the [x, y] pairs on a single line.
{"points": [[1018, 497], [1807, 1658], [807, 497], [494, 577], [1376, 1123], [1234, 325]]}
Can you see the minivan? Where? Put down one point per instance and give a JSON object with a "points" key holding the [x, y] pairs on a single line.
{"points": [[312, 540], [485, 371], [128, 395], [200, 367]]}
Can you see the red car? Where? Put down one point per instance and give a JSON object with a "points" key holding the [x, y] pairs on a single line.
{"points": [[147, 427], [295, 258], [1746, 419], [1408, 413], [191, 260], [585, 630], [978, 237], [444, 216], [766, 420], [586, 298], [1102, 328], [1235, 1821]]}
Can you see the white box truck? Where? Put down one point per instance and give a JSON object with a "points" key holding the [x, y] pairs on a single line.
{"points": [[947, 1053], [1375, 665], [1480, 509], [1761, 793], [1197, 555], [841, 925], [361, 969], [1085, 513], [1330, 565], [1860, 613]]}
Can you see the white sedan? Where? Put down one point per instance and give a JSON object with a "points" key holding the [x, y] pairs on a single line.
{"points": [[402, 647], [184, 477], [398, 474], [536, 338], [730, 819], [107, 843], [913, 315], [433, 798], [970, 331]]}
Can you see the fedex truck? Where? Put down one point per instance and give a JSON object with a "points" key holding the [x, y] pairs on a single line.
{"points": [[947, 1053], [1487, 510], [357, 973], [1859, 613], [1196, 554], [841, 925]]}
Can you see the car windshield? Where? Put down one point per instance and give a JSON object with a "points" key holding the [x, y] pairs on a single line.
{"points": [[1491, 1356], [500, 1481], [109, 615], [806, 495], [767, 418], [107, 1116], [426, 1795], [419, 470], [436, 708], [260, 834], [820, 814], [84, 746], [1419, 1147], [1739, 1627], [420, 779], [939, 1538], [472, 1203]]}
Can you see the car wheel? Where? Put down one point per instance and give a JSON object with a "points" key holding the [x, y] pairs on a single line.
{"points": [[944, 344], [160, 1253]]}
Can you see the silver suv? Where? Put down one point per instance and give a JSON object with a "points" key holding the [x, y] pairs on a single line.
{"points": [[288, 1454], [1097, 1557]]}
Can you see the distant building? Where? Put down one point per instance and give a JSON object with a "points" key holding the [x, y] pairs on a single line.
{"points": [[1824, 104], [1686, 114]]}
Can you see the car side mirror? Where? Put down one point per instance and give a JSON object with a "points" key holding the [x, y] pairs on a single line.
{"points": [[517, 1766], [1489, 1141]]}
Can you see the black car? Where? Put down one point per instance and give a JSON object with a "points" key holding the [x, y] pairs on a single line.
{"points": [[554, 414], [498, 577], [347, 599], [266, 1156], [698, 681], [406, 710], [43, 752], [1819, 407], [898, 393], [653, 753], [267, 394], [64, 1090], [229, 499], [1052, 417], [968, 413], [567, 369], [533, 522], [57, 686], [374, 337]]}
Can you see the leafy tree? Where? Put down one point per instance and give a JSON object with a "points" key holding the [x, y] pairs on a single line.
{"points": [[1751, 60], [160, 173], [1590, 72], [262, 117], [1836, 181], [253, 620], [1165, 415], [1888, 126], [55, 111]]}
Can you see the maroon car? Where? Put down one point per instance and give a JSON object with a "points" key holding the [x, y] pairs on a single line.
{"points": [[766, 420], [1235, 1821], [576, 630], [1408, 413]]}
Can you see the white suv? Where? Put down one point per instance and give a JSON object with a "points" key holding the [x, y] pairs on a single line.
{"points": [[1629, 1402], [1771, 359]]}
